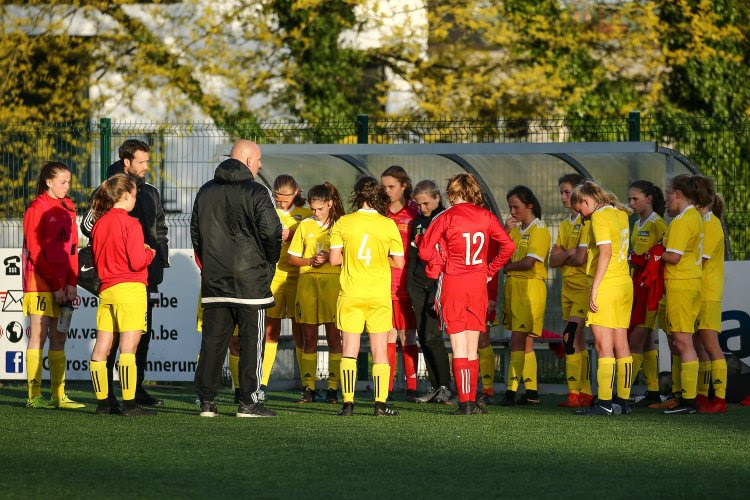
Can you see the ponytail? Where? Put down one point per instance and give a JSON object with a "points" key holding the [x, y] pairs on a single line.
{"points": [[527, 197], [648, 188], [717, 205], [287, 181], [49, 170], [109, 193], [598, 194], [704, 190], [327, 192]]}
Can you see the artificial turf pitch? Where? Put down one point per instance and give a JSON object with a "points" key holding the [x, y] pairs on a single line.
{"points": [[308, 452]]}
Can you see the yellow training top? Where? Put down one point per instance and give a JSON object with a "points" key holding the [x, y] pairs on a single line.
{"points": [[289, 220], [648, 234], [534, 241], [574, 233], [609, 225], [713, 252], [310, 238], [684, 236], [367, 239]]}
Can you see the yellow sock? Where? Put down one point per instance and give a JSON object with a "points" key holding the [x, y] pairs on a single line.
{"points": [[719, 377], [98, 371], [637, 361], [704, 378], [585, 385], [487, 367], [57, 373], [34, 372], [676, 375], [298, 353], [269, 356], [381, 372], [234, 370], [128, 376], [573, 372], [689, 378], [605, 375], [308, 368], [529, 371], [348, 378], [334, 366], [515, 371], [624, 377], [651, 370]]}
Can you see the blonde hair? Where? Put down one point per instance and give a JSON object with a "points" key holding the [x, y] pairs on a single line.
{"points": [[465, 187], [598, 194]]}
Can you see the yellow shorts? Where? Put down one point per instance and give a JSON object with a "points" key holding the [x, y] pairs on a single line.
{"points": [[661, 314], [360, 314], [709, 317], [683, 305], [574, 300], [122, 308], [317, 296], [614, 301], [284, 290], [524, 301], [40, 304], [199, 322]]}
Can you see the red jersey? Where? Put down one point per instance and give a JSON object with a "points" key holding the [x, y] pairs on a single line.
{"points": [[119, 254], [403, 219], [461, 235], [50, 245]]}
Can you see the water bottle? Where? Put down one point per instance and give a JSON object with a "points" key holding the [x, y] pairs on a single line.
{"points": [[66, 314]]}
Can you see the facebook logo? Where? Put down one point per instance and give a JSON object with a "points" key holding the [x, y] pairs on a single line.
{"points": [[14, 362]]}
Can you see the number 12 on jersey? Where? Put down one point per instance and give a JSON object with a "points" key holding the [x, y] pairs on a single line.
{"points": [[473, 239]]}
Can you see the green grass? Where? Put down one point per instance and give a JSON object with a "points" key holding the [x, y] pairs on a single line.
{"points": [[307, 452]]}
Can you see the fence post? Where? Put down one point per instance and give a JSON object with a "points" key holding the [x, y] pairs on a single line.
{"points": [[105, 146], [363, 124], [634, 126]]}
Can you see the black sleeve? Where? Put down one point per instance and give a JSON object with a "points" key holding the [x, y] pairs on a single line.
{"points": [[195, 234], [268, 224], [87, 223], [162, 242]]}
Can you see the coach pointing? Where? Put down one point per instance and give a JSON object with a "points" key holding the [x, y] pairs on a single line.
{"points": [[237, 241]]}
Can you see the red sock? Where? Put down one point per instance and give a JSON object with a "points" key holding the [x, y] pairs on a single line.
{"points": [[462, 377], [391, 361], [474, 365], [411, 360]]}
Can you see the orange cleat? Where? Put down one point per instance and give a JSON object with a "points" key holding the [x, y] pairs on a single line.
{"points": [[584, 400], [572, 402], [667, 404], [718, 405]]}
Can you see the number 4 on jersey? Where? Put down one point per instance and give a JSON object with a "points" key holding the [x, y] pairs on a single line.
{"points": [[364, 251]]}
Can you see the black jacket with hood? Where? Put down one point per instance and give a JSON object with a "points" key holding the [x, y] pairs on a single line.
{"points": [[236, 236], [150, 213], [415, 267]]}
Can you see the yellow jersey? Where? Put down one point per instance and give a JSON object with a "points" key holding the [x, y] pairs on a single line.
{"points": [[289, 220], [684, 236], [713, 253], [310, 238], [367, 239], [573, 233], [648, 234], [609, 225], [534, 241]]}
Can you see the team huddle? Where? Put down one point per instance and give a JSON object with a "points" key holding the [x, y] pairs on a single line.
{"points": [[404, 269]]}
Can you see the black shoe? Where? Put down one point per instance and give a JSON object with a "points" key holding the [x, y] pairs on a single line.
{"points": [[347, 410], [254, 410], [486, 399], [411, 396], [509, 399], [623, 404], [133, 409], [427, 396], [105, 407], [606, 410], [529, 399], [469, 408], [646, 400], [332, 396], [686, 407], [208, 409], [443, 396], [114, 405], [237, 395], [308, 396], [384, 410], [146, 399]]}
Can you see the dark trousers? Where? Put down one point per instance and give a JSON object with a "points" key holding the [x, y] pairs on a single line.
{"points": [[141, 356], [430, 337], [218, 326]]}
